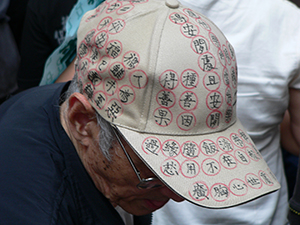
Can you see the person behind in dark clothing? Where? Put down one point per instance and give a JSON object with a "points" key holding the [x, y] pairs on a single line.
{"points": [[297, 2], [16, 12], [294, 213], [43, 31], [9, 55]]}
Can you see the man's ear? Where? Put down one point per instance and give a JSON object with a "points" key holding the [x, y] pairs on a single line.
{"points": [[81, 118]]}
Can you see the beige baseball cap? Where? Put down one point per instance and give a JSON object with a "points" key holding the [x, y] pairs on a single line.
{"points": [[166, 77]]}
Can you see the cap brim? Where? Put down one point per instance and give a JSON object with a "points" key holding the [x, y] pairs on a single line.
{"points": [[216, 170]]}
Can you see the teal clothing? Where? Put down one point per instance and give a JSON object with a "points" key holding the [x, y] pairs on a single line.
{"points": [[59, 60]]}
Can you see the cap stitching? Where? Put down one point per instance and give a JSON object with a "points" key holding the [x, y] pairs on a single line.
{"points": [[153, 62]]}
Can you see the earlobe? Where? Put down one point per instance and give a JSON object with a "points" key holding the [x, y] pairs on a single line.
{"points": [[81, 118]]}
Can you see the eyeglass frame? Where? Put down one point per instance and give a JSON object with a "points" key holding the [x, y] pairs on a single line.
{"points": [[145, 183]]}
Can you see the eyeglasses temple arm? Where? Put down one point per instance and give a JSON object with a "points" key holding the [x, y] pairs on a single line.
{"points": [[127, 155]]}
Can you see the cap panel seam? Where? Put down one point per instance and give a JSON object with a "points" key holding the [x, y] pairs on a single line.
{"points": [[153, 61]]}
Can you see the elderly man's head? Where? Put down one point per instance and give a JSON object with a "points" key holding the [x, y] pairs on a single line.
{"points": [[112, 164], [163, 80]]}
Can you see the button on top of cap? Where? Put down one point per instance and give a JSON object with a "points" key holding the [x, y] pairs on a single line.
{"points": [[173, 4]]}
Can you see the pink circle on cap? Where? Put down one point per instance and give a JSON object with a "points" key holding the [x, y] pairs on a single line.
{"points": [[169, 79], [104, 23], [224, 144], [112, 7], [241, 157], [191, 13], [88, 90], [188, 101], [221, 56], [226, 78], [231, 51], [253, 181], [116, 26], [212, 81], [265, 178], [163, 117], [214, 100], [213, 119], [244, 136], [211, 167], [170, 167], [83, 49], [214, 40], [189, 30], [219, 192], [238, 187], [94, 55], [94, 77], [170, 148], [101, 39], [96, 14], [236, 140], [113, 48], [190, 149], [103, 64], [151, 145], [227, 56], [208, 147], [110, 86], [189, 79], [117, 71], [100, 99], [83, 66], [228, 161], [125, 9], [137, 2], [200, 44], [126, 94], [233, 76], [228, 96], [186, 121], [190, 168], [131, 59], [207, 62], [114, 109], [252, 155], [90, 36], [138, 79], [228, 114], [166, 98], [199, 191], [178, 18], [203, 24]]}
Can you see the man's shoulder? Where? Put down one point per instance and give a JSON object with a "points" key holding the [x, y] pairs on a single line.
{"points": [[33, 96], [35, 182]]}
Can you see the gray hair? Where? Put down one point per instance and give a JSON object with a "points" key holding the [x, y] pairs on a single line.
{"points": [[106, 135]]}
